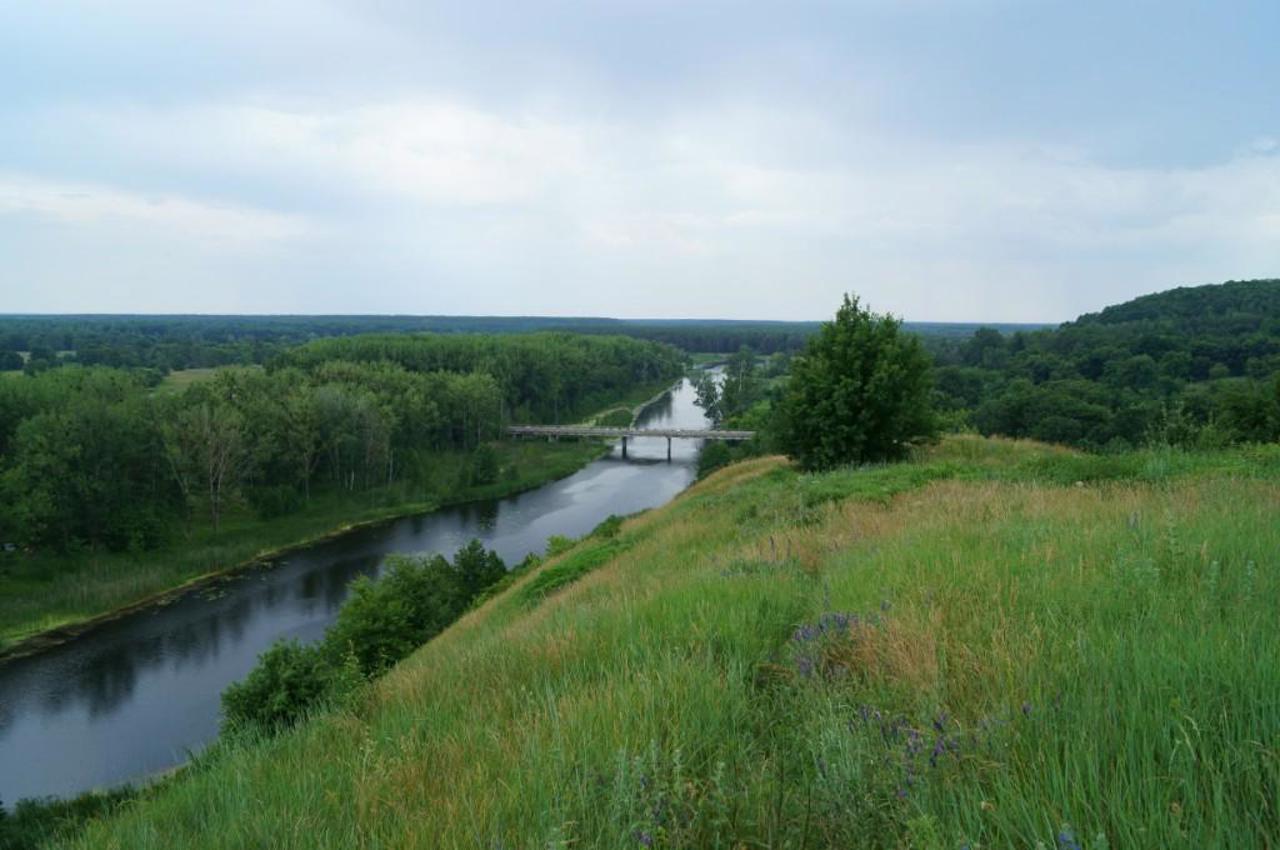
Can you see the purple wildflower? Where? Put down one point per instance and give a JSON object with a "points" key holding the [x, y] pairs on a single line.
{"points": [[1067, 840], [645, 838], [804, 664], [1026, 709]]}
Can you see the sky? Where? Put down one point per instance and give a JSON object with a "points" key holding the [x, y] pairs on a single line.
{"points": [[971, 160]]}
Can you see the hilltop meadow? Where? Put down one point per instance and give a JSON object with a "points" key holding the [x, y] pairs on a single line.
{"points": [[995, 644]]}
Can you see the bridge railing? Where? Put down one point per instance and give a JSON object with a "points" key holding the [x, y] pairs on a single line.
{"points": [[619, 433]]}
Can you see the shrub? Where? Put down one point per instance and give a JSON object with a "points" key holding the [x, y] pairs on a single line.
{"points": [[714, 455], [274, 501], [287, 682], [381, 622], [484, 465], [558, 544]]}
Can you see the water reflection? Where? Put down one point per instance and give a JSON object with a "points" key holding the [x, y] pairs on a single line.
{"points": [[136, 695]]}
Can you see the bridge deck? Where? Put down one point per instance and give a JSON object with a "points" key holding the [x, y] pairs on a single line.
{"points": [[592, 431]]}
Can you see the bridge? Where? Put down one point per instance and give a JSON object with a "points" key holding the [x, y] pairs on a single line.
{"points": [[553, 431]]}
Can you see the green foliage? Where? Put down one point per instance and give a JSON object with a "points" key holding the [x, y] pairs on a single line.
{"points": [[383, 621], [1192, 365], [620, 418], [558, 544], [859, 393], [484, 465], [608, 527], [380, 623], [568, 570], [288, 681], [94, 458], [39, 823], [45, 589], [545, 377], [732, 393], [714, 455]]}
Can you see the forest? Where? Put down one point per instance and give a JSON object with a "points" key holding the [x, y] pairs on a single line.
{"points": [[95, 456], [169, 343], [1194, 366]]}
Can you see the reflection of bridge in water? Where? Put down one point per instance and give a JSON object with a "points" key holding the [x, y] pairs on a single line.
{"points": [[552, 431]]}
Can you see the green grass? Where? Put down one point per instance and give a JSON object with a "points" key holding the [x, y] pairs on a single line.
{"points": [[47, 591], [996, 645], [179, 379], [618, 418]]}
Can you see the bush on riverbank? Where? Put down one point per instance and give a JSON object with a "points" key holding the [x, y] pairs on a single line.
{"points": [[381, 622]]}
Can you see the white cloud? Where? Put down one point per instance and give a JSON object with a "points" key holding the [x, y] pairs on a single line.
{"points": [[89, 206], [726, 211]]}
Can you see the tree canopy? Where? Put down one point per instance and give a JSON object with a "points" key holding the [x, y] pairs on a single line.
{"points": [[860, 392], [1197, 364]]}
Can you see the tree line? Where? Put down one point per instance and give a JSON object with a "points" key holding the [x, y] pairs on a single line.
{"points": [[170, 343], [93, 456], [1191, 366]]}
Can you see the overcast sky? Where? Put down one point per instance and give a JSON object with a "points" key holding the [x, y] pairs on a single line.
{"points": [[962, 160]]}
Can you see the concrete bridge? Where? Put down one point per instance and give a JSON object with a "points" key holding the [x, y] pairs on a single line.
{"points": [[552, 431]]}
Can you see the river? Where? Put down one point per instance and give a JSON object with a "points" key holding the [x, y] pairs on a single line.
{"points": [[136, 696]]}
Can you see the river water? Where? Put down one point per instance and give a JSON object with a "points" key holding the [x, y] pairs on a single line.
{"points": [[138, 695]]}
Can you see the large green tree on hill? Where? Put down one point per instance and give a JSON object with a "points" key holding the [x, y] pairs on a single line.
{"points": [[859, 393]]}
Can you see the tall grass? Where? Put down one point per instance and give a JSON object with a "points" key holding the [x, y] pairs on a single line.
{"points": [[996, 645]]}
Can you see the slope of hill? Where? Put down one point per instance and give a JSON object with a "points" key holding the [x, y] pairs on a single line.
{"points": [[1198, 366], [1195, 309], [999, 644]]}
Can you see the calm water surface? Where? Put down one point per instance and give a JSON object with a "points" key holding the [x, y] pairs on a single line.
{"points": [[135, 696]]}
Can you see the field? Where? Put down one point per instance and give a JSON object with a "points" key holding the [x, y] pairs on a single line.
{"points": [[999, 644], [179, 379]]}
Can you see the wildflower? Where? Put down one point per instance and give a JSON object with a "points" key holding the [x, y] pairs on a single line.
{"points": [[1067, 840], [1026, 709], [645, 838], [938, 750], [804, 664]]}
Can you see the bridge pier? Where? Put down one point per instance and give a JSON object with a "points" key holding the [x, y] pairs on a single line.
{"points": [[624, 448], [668, 450]]}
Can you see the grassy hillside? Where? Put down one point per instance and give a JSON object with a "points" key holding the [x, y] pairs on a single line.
{"points": [[997, 645]]}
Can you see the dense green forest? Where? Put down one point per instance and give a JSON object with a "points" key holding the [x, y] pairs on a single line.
{"points": [[94, 456], [1195, 365], [167, 343]]}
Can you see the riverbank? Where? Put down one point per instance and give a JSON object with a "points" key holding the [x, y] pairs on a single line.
{"points": [[48, 599], [997, 644]]}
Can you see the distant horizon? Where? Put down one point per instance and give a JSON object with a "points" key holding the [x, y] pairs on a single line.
{"points": [[547, 317]]}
